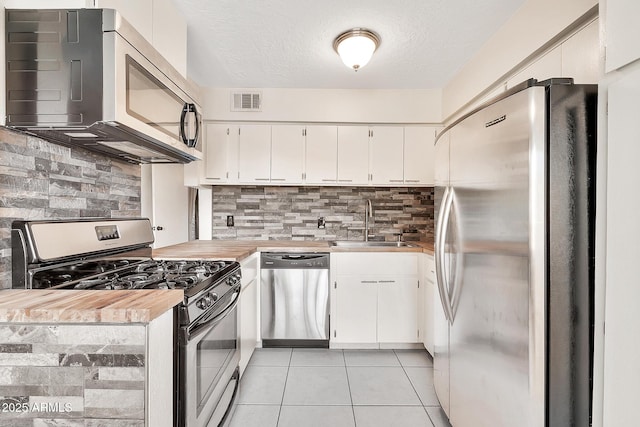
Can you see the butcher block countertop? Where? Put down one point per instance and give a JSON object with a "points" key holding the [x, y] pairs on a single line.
{"points": [[85, 306], [237, 250]]}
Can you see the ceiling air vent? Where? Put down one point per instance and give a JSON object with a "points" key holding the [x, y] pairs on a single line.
{"points": [[246, 101]]}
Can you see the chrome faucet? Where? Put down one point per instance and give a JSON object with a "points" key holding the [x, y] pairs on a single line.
{"points": [[368, 213]]}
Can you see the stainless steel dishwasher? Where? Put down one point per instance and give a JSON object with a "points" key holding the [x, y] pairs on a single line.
{"points": [[294, 299]]}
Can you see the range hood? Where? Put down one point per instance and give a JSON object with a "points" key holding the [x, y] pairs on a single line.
{"points": [[86, 78]]}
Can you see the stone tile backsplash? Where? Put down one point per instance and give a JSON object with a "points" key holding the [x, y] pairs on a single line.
{"points": [[72, 375], [40, 180], [292, 212]]}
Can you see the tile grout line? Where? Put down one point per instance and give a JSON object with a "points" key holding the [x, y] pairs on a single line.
{"points": [[414, 389], [286, 378], [346, 371]]}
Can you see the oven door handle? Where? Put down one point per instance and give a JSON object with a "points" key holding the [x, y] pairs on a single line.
{"points": [[210, 323]]}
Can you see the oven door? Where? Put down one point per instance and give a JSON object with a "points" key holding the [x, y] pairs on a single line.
{"points": [[208, 361]]}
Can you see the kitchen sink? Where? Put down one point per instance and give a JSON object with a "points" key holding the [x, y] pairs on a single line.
{"points": [[371, 244]]}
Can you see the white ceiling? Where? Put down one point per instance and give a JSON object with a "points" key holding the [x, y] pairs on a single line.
{"points": [[289, 43]]}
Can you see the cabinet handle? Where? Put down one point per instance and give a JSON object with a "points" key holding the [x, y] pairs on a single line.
{"points": [[345, 180], [278, 179], [386, 281], [261, 179], [328, 180], [214, 178], [412, 180], [395, 180], [369, 281]]}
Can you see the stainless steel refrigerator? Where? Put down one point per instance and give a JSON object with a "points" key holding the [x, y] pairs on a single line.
{"points": [[515, 209]]}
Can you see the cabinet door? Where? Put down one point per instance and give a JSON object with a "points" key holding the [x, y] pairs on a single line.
{"points": [[419, 164], [621, 316], [621, 33], [321, 156], [398, 310], [254, 165], [138, 13], [248, 323], [355, 311], [165, 201], [216, 151], [287, 153], [429, 296], [386, 155], [353, 154]]}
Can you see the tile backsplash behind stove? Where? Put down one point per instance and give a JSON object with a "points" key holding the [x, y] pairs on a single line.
{"points": [[40, 180], [292, 212]]}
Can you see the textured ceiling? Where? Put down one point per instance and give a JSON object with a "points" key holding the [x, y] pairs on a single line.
{"points": [[289, 43]]}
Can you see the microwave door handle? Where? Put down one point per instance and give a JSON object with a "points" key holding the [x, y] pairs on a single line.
{"points": [[196, 135], [183, 117], [189, 108]]}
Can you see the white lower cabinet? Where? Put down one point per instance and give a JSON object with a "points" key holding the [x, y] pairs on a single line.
{"points": [[374, 299], [355, 310], [429, 298], [248, 312], [398, 310]]}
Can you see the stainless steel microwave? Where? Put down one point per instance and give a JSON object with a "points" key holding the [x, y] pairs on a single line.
{"points": [[87, 78]]}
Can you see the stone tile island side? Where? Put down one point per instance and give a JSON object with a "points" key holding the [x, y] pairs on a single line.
{"points": [[71, 358]]}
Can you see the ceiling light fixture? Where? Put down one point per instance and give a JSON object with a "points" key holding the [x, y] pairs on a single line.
{"points": [[356, 47]]}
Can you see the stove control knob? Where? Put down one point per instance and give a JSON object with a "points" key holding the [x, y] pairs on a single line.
{"points": [[201, 303], [214, 297]]}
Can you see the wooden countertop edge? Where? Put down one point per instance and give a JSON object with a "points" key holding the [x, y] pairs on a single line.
{"points": [[236, 250], [85, 306]]}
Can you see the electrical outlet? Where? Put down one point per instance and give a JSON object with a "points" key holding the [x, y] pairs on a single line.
{"points": [[229, 220], [321, 223]]}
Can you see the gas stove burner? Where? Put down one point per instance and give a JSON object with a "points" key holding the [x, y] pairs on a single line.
{"points": [[104, 283], [140, 280], [182, 281], [150, 267]]}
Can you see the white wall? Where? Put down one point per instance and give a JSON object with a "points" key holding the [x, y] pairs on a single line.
{"points": [[333, 105], [525, 38]]}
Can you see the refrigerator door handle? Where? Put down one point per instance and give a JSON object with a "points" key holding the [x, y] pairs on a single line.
{"points": [[456, 274], [441, 238]]}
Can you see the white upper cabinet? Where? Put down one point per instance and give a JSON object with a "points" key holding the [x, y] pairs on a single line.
{"points": [[419, 152], [622, 33], [160, 23], [220, 144], [353, 155], [287, 154], [282, 154], [170, 33], [321, 156], [386, 155], [254, 152], [138, 13]]}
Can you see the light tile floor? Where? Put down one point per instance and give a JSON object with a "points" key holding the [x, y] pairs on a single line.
{"points": [[338, 388]]}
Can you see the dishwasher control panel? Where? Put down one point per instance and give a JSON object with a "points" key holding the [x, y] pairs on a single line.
{"points": [[315, 260]]}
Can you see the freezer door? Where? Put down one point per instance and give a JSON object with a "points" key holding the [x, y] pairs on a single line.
{"points": [[496, 352], [440, 320]]}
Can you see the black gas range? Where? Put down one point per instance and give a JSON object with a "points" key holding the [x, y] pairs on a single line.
{"points": [[116, 254]]}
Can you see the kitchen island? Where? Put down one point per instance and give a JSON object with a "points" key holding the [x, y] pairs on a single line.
{"points": [[90, 357]]}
